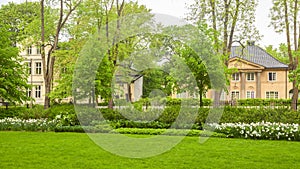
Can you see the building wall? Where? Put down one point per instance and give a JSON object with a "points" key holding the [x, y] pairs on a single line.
{"points": [[261, 86], [137, 89], [33, 59]]}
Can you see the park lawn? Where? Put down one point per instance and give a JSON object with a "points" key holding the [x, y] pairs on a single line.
{"points": [[75, 150]]}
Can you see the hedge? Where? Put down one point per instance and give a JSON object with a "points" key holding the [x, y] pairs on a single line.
{"points": [[152, 118]]}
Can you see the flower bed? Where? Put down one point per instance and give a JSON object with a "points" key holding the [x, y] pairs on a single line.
{"points": [[262, 130], [16, 124]]}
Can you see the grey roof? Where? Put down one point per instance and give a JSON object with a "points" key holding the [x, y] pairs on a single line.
{"points": [[256, 55]]}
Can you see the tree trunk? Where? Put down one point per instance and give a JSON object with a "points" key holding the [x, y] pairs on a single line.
{"points": [[293, 62], [201, 98], [295, 96], [110, 104], [47, 91], [129, 92]]}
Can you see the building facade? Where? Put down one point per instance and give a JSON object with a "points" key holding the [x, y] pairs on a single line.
{"points": [[257, 75], [33, 60]]}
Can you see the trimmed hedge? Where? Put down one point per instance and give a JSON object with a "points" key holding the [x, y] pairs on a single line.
{"points": [[146, 102], [139, 131], [151, 118]]}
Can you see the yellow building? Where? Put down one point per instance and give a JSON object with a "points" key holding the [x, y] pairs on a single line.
{"points": [[259, 75]]}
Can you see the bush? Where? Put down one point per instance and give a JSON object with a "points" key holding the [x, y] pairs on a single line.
{"points": [[263, 130], [11, 112], [140, 131], [146, 102], [16, 124]]}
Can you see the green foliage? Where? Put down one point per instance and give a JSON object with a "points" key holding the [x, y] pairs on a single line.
{"points": [[13, 76], [146, 102], [150, 118], [66, 58], [155, 79], [281, 53], [264, 102], [11, 112], [18, 17]]}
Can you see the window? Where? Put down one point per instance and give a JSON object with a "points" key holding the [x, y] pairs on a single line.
{"points": [[37, 91], [272, 76], [250, 94], [28, 93], [235, 95], [38, 68], [236, 77], [272, 95], [38, 49], [250, 76], [29, 67], [29, 50]]}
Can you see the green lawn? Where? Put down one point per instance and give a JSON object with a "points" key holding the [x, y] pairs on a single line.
{"points": [[76, 150]]}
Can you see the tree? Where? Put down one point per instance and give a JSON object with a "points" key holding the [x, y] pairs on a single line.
{"points": [[48, 59], [193, 65], [284, 18], [13, 75], [18, 17], [231, 20], [106, 18], [281, 53], [66, 58]]}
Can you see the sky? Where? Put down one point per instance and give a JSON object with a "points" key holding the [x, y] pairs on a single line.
{"points": [[178, 9]]}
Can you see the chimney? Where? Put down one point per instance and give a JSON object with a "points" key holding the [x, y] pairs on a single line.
{"points": [[250, 42]]}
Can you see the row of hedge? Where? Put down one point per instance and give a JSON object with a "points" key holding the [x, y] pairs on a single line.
{"points": [[147, 102], [153, 118], [139, 131]]}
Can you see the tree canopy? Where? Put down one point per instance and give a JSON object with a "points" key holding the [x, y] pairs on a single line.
{"points": [[13, 76]]}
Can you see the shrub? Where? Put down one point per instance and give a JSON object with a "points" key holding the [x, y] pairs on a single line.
{"points": [[15, 124], [262, 130]]}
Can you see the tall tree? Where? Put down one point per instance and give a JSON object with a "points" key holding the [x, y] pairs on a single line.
{"points": [[285, 18], [66, 8], [281, 53], [13, 75], [232, 20], [18, 17], [97, 17]]}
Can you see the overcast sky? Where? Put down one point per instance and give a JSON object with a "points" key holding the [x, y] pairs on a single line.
{"points": [[177, 8]]}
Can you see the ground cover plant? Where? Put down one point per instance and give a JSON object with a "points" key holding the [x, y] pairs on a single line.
{"points": [[76, 150]]}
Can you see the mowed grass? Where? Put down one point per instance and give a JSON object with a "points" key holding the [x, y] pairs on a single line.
{"points": [[76, 150]]}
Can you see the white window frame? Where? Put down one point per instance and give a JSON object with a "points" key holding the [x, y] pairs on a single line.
{"points": [[235, 93], [250, 77], [273, 76], [38, 91], [28, 92], [29, 50], [249, 94], [235, 77], [275, 95], [38, 49], [29, 66], [38, 68]]}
